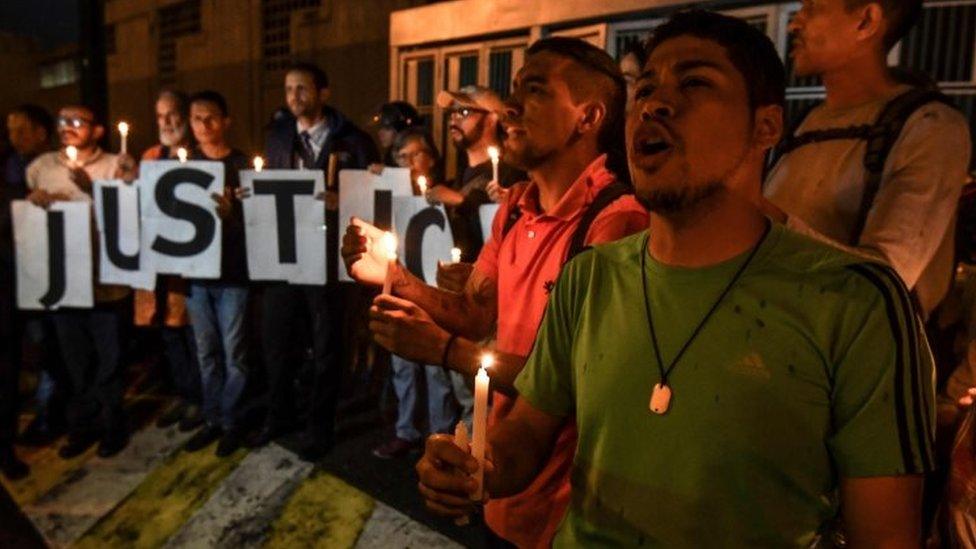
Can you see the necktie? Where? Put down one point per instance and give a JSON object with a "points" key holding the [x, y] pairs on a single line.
{"points": [[309, 157]]}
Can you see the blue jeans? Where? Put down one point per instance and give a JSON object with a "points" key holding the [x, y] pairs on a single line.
{"points": [[441, 408], [217, 313]]}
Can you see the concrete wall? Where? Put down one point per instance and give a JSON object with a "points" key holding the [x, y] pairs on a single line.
{"points": [[346, 37]]}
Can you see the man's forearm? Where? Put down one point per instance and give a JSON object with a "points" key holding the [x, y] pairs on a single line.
{"points": [[518, 456], [454, 312]]}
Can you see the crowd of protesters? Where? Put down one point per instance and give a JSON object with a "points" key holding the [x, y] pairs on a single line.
{"points": [[707, 325]]}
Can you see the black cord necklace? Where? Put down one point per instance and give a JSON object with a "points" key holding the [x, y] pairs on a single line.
{"points": [[661, 395]]}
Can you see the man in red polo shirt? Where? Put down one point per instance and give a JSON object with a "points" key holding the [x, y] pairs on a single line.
{"points": [[564, 123]]}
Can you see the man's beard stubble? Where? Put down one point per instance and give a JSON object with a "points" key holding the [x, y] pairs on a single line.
{"points": [[673, 201], [174, 136]]}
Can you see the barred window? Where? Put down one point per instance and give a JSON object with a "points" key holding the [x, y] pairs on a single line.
{"points": [[276, 30], [175, 21], [500, 72]]}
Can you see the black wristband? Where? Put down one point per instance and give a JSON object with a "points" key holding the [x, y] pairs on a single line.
{"points": [[447, 349]]}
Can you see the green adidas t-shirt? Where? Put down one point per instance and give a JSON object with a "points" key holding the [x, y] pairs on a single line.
{"points": [[813, 368]]}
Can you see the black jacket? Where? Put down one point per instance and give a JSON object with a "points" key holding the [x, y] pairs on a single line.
{"points": [[356, 151]]}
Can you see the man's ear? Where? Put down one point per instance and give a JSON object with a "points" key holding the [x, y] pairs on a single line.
{"points": [[324, 95], [768, 126], [594, 114], [872, 21]]}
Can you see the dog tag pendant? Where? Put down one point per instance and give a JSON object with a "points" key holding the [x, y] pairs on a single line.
{"points": [[660, 399]]}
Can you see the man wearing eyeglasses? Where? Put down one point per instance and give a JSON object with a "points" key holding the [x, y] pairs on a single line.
{"points": [[90, 339]]}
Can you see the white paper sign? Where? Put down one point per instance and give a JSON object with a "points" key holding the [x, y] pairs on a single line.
{"points": [[424, 236], [486, 213], [54, 255], [285, 225], [180, 228], [117, 216], [369, 197]]}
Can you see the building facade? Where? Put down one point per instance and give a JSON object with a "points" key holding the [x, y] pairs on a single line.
{"points": [[239, 48], [453, 44]]}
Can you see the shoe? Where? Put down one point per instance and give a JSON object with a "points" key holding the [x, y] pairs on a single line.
{"points": [[313, 448], [192, 418], [203, 438], [112, 444], [395, 448], [264, 437], [41, 432], [175, 413], [230, 442], [11, 467], [77, 444]]}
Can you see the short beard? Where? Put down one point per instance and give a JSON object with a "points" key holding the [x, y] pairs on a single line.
{"points": [[675, 201], [468, 140], [170, 139]]}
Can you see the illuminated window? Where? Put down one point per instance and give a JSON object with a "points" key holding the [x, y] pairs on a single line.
{"points": [[59, 73]]}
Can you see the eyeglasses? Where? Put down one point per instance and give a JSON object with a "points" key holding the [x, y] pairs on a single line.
{"points": [[409, 156], [464, 112], [75, 122]]}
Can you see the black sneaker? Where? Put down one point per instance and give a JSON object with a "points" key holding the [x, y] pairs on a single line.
{"points": [[171, 416], [77, 444], [203, 438], [313, 448], [263, 437], [11, 467], [230, 442], [112, 444], [41, 432], [192, 418]]}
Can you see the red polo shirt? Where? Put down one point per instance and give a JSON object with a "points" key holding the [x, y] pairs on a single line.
{"points": [[525, 264]]}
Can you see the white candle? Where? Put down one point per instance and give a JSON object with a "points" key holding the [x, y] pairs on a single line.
{"points": [[481, 421], [258, 163], [72, 153], [462, 440], [389, 245], [494, 154], [181, 154], [422, 184], [124, 133], [455, 255]]}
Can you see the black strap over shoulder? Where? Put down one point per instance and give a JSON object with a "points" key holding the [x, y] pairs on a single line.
{"points": [[607, 195]]}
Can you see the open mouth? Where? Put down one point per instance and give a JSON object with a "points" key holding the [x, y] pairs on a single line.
{"points": [[653, 146]]}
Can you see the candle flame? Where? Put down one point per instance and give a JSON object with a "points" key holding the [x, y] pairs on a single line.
{"points": [[71, 152], [124, 128], [258, 163], [493, 153], [487, 360], [456, 255], [422, 183], [182, 154], [389, 245]]}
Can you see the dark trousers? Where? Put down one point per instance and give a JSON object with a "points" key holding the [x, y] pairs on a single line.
{"points": [[285, 308], [180, 349], [91, 343], [9, 366]]}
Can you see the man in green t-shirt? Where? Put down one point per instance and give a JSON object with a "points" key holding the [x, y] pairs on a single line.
{"points": [[734, 384]]}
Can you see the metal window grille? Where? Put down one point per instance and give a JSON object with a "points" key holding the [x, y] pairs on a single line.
{"points": [[59, 73], [941, 43], [500, 72], [276, 30], [175, 21], [425, 83], [468, 71]]}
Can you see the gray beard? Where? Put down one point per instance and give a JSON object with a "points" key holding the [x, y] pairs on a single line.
{"points": [[171, 139]]}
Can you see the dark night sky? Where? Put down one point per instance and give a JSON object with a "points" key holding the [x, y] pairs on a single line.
{"points": [[50, 22]]}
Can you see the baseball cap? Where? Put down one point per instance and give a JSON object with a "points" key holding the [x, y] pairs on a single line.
{"points": [[474, 97]]}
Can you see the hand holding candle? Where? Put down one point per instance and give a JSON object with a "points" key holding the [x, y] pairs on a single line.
{"points": [[495, 155], [462, 440], [481, 422], [181, 154], [258, 163], [389, 246], [124, 134]]}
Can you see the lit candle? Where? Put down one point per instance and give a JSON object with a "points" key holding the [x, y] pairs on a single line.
{"points": [[258, 163], [181, 154], [481, 421], [72, 153], [422, 184], [455, 255], [494, 154], [389, 245], [124, 133]]}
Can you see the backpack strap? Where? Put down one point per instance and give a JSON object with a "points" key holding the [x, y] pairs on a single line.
{"points": [[885, 132], [607, 195], [785, 145]]}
